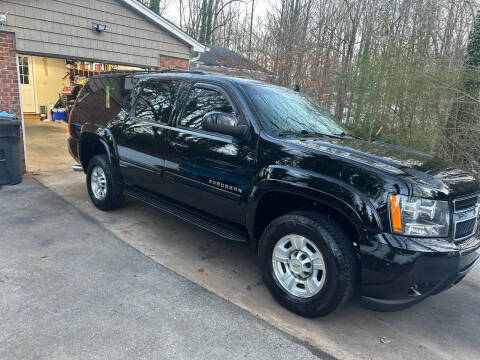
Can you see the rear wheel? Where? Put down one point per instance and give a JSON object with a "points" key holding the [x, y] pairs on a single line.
{"points": [[308, 263], [104, 184]]}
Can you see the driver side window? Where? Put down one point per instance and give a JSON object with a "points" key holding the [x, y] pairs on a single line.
{"points": [[201, 101]]}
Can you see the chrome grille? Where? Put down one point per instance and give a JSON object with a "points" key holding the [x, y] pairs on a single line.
{"points": [[465, 228], [465, 217], [465, 203]]}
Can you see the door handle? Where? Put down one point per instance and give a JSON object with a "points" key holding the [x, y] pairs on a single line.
{"points": [[179, 146]]}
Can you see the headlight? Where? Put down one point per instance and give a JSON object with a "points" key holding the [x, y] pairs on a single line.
{"points": [[419, 217]]}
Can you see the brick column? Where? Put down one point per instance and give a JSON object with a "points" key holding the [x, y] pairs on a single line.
{"points": [[168, 62], [9, 87]]}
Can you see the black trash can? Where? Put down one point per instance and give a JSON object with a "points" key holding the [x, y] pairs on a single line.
{"points": [[10, 162]]}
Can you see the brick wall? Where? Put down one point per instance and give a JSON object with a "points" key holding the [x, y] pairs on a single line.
{"points": [[167, 62], [9, 91]]}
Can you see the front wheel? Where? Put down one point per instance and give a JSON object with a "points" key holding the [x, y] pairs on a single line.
{"points": [[104, 184], [308, 263]]}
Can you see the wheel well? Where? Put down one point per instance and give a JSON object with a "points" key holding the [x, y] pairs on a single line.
{"points": [[90, 148], [275, 204]]}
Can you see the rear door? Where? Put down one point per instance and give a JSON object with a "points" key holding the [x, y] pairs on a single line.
{"points": [[142, 145], [209, 171]]}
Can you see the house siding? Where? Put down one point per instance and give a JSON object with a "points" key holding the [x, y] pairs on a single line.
{"points": [[63, 28]]}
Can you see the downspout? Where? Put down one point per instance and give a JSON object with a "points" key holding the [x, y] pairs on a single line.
{"points": [[195, 58]]}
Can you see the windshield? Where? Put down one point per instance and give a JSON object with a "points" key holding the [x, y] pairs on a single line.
{"points": [[286, 112]]}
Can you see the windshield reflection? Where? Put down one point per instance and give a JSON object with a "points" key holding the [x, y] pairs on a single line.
{"points": [[284, 112]]}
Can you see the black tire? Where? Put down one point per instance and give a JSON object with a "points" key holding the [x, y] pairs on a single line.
{"points": [[338, 253], [114, 189]]}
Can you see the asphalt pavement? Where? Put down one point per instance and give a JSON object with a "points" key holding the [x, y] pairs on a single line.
{"points": [[70, 289]]}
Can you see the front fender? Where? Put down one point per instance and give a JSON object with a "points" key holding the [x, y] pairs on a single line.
{"points": [[322, 189]]}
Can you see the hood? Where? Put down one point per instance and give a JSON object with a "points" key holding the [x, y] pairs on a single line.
{"points": [[424, 169]]}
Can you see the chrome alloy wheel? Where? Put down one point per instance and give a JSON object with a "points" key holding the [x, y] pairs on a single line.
{"points": [[299, 266], [98, 183]]}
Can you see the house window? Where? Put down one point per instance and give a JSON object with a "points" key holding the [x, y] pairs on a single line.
{"points": [[24, 74]]}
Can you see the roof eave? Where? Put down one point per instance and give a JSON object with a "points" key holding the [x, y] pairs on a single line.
{"points": [[168, 26]]}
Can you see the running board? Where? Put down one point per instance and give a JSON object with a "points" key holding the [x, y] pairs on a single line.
{"points": [[192, 216]]}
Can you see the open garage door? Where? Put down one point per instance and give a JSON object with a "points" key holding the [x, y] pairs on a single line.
{"points": [[49, 88]]}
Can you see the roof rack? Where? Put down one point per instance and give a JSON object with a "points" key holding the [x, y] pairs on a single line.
{"points": [[169, 70], [163, 71], [116, 71]]}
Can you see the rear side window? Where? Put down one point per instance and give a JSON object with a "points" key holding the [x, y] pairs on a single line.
{"points": [[100, 100], [201, 101], [84, 92], [156, 100]]}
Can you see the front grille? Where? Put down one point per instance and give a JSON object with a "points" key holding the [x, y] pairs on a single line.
{"points": [[465, 216], [465, 203], [465, 228]]}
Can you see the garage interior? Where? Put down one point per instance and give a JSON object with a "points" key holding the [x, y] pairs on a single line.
{"points": [[49, 87]]}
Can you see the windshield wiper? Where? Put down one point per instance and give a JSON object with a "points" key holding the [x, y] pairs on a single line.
{"points": [[306, 133], [343, 134]]}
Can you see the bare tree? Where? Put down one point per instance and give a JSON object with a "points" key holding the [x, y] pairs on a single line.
{"points": [[387, 68], [158, 6]]}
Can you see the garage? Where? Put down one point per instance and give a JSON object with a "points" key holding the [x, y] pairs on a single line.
{"points": [[50, 85], [49, 49]]}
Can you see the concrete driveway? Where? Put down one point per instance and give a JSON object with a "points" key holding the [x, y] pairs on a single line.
{"points": [[442, 327], [70, 289], [46, 144]]}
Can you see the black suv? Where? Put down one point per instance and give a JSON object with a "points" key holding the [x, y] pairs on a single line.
{"points": [[325, 211]]}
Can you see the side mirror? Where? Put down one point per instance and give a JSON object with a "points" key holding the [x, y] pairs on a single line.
{"points": [[223, 123]]}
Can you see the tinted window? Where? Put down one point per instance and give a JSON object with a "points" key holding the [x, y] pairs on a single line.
{"points": [[99, 87], [156, 100], [101, 99], [286, 112], [84, 92], [201, 101]]}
